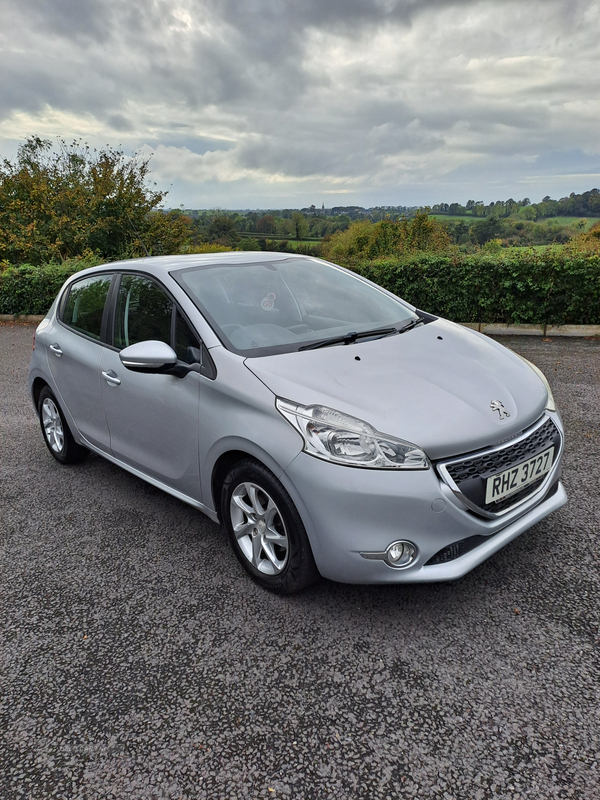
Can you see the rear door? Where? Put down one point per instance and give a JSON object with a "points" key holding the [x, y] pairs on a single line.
{"points": [[74, 354]]}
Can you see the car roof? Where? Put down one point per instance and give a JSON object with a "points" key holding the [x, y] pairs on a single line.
{"points": [[159, 265]]}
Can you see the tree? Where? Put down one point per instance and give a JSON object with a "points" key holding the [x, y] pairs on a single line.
{"points": [[266, 224], [222, 230], [301, 224], [58, 204]]}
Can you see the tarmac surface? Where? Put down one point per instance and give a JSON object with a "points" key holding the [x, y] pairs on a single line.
{"points": [[141, 663]]}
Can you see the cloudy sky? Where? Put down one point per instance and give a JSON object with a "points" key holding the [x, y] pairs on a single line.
{"points": [[285, 103]]}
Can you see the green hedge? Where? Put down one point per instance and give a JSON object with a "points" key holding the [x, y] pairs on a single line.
{"points": [[554, 287], [27, 289]]}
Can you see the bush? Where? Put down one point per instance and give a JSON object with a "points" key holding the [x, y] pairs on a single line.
{"points": [[388, 238], [29, 289], [56, 205], [556, 287]]}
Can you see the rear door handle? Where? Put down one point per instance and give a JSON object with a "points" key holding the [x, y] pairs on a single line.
{"points": [[56, 349], [111, 377]]}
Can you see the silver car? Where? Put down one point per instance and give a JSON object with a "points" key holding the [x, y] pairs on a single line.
{"points": [[332, 428]]}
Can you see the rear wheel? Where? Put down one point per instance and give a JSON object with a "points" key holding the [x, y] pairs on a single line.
{"points": [[57, 435], [265, 529]]}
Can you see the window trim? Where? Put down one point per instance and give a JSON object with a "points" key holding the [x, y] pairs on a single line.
{"points": [[208, 368], [102, 341]]}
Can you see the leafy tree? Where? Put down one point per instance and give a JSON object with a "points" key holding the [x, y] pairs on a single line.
{"points": [[301, 224], [58, 204], [222, 230], [266, 224]]}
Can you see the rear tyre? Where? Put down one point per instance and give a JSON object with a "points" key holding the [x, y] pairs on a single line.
{"points": [[265, 529], [55, 430]]}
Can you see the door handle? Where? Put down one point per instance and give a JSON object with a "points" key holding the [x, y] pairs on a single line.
{"points": [[56, 349], [111, 377]]}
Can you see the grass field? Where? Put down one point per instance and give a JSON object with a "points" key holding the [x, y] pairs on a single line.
{"points": [[572, 220], [295, 242], [451, 218]]}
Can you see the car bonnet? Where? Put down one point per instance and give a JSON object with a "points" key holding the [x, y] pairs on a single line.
{"points": [[436, 386]]}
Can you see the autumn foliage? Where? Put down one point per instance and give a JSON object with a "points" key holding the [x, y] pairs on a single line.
{"points": [[75, 201], [388, 238]]}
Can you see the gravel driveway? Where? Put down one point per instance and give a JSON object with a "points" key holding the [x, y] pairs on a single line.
{"points": [[140, 662]]}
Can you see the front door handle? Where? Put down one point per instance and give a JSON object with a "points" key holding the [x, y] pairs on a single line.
{"points": [[111, 377], [56, 349]]}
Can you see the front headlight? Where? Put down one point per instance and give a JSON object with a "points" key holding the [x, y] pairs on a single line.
{"points": [[343, 439], [550, 405]]}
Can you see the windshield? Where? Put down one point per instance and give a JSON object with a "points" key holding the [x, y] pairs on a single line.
{"points": [[263, 307]]}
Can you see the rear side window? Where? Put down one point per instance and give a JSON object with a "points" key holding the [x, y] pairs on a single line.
{"points": [[143, 312], [85, 305]]}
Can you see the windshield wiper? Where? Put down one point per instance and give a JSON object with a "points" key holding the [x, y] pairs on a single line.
{"points": [[350, 338], [410, 325]]}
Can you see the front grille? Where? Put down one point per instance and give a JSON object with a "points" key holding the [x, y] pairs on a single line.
{"points": [[469, 474]]}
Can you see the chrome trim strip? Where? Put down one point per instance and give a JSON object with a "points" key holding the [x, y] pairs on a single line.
{"points": [[526, 501]]}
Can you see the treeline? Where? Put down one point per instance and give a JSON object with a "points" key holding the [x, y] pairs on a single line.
{"points": [[510, 232], [73, 202], [575, 205], [230, 227]]}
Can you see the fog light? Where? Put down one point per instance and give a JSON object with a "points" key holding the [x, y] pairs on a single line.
{"points": [[400, 554]]}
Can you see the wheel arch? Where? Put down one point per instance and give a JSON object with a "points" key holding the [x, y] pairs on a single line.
{"points": [[221, 469], [36, 389]]}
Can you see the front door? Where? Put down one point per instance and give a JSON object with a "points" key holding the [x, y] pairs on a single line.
{"points": [[153, 419]]}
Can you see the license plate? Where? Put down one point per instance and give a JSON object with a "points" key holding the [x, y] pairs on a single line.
{"points": [[512, 480]]}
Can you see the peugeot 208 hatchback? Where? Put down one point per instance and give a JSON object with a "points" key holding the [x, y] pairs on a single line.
{"points": [[331, 427]]}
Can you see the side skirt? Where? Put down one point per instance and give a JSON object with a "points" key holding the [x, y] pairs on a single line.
{"points": [[154, 481]]}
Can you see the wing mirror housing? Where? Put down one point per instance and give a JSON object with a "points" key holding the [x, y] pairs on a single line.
{"points": [[150, 356]]}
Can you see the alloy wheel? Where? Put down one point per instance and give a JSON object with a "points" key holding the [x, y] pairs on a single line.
{"points": [[53, 427], [259, 528]]}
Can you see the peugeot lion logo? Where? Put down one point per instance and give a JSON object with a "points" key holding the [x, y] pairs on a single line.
{"points": [[496, 405]]}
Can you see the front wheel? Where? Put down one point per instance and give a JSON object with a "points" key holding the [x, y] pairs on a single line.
{"points": [[59, 439], [265, 529]]}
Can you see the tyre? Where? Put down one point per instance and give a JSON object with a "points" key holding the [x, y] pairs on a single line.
{"points": [[57, 435], [265, 529]]}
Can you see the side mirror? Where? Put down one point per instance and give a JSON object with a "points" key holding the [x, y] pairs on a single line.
{"points": [[150, 356]]}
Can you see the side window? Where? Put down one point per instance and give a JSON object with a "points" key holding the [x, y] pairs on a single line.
{"points": [[85, 305], [143, 312]]}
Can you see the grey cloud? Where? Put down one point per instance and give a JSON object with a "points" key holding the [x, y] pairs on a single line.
{"points": [[68, 18], [240, 78], [195, 144], [119, 122], [27, 86]]}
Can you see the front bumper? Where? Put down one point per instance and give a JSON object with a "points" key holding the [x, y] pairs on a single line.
{"points": [[349, 511]]}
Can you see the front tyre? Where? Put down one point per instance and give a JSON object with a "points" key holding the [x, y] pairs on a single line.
{"points": [[57, 435], [265, 529]]}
